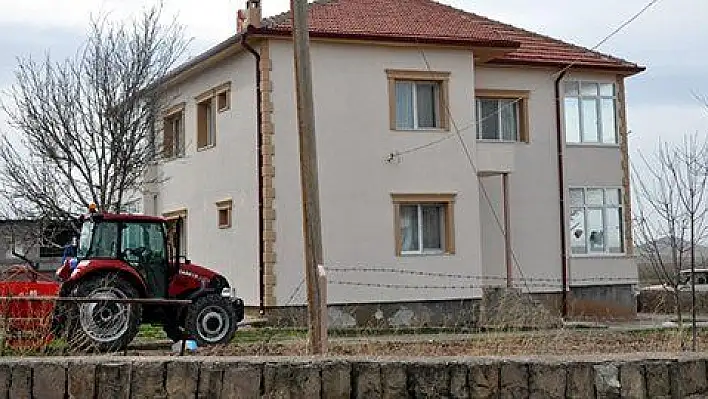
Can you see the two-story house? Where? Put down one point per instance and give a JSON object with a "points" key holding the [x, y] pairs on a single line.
{"points": [[455, 153]]}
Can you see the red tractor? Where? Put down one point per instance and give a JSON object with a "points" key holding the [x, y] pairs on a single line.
{"points": [[130, 256]]}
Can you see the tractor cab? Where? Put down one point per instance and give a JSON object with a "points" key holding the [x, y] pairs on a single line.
{"points": [[137, 242], [135, 245]]}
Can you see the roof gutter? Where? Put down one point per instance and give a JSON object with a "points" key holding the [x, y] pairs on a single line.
{"points": [[561, 195], [623, 69], [259, 146]]}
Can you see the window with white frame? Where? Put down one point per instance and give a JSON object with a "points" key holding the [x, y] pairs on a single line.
{"points": [[590, 112], [596, 221], [498, 119], [206, 124], [424, 224], [417, 105], [418, 100]]}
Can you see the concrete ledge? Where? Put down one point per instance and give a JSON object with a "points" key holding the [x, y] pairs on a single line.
{"points": [[636, 376]]}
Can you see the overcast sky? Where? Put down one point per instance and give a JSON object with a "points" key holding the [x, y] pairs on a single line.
{"points": [[667, 39]]}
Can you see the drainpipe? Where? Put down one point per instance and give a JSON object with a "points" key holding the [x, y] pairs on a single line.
{"points": [[259, 146], [561, 195]]}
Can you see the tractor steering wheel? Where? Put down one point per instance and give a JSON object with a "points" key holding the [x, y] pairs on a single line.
{"points": [[140, 252]]}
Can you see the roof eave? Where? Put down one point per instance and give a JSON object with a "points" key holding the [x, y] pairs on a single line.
{"points": [[450, 41], [624, 69], [194, 64]]}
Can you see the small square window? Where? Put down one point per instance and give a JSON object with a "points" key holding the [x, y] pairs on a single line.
{"points": [[223, 100], [224, 213]]}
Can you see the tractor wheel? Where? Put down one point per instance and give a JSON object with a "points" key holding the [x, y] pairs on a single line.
{"points": [[105, 326], [211, 320]]}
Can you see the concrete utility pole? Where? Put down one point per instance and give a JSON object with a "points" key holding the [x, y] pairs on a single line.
{"points": [[308, 175]]}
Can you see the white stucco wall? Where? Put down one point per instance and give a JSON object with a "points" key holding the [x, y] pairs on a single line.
{"points": [[353, 141], [533, 184], [493, 248], [597, 166], [228, 170], [356, 180], [534, 187]]}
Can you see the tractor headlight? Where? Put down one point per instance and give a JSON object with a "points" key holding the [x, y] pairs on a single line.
{"points": [[228, 292]]}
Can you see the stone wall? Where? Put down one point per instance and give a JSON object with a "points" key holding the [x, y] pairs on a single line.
{"points": [[499, 306], [460, 313], [636, 376]]}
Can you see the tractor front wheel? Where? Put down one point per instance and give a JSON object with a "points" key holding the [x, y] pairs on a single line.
{"points": [[105, 326], [211, 320]]}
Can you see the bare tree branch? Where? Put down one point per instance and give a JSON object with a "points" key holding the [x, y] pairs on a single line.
{"points": [[84, 126]]}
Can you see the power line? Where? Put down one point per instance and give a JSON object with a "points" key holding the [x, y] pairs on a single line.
{"points": [[465, 147], [515, 101]]}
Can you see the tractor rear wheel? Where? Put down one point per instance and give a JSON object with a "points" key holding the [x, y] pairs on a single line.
{"points": [[105, 326], [211, 320]]}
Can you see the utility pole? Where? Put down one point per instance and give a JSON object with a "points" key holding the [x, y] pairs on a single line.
{"points": [[308, 174]]}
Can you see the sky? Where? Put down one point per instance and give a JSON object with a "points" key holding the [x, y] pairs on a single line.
{"points": [[667, 39]]}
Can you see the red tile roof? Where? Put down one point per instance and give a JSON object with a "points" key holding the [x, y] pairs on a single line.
{"points": [[426, 21]]}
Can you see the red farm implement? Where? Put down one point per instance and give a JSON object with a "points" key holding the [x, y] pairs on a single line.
{"points": [[26, 323]]}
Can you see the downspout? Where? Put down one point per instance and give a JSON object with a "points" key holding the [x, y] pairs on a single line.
{"points": [[259, 146], [561, 195]]}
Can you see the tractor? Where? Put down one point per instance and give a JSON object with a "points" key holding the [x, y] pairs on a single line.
{"points": [[123, 256]]}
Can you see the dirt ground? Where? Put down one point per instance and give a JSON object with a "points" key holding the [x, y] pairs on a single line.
{"points": [[558, 342]]}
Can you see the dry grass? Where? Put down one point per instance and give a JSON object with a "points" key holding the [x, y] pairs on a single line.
{"points": [[557, 342]]}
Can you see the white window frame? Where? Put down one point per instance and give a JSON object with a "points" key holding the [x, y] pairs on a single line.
{"points": [[478, 109], [598, 105], [604, 207], [439, 79], [437, 92], [421, 249], [211, 123]]}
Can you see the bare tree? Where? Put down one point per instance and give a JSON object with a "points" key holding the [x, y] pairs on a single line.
{"points": [[84, 127], [670, 213]]}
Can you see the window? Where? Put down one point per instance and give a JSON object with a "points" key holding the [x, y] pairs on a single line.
{"points": [[98, 240], [210, 103], [502, 115], [418, 100], [223, 210], [173, 133], [590, 112], [596, 225], [173, 218], [223, 100], [206, 124], [142, 242], [424, 224]]}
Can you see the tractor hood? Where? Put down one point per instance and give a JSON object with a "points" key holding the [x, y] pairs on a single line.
{"points": [[196, 272]]}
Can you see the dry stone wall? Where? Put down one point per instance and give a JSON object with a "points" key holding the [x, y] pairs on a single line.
{"points": [[638, 376]]}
